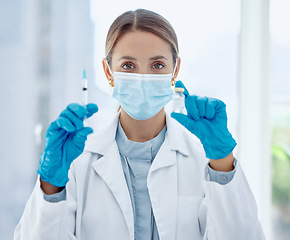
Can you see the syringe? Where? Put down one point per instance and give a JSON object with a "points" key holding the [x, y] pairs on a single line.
{"points": [[85, 93]]}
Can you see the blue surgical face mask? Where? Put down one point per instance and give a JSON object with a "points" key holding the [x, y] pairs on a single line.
{"points": [[142, 96]]}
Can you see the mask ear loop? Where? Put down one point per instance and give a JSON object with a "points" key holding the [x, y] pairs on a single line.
{"points": [[173, 79], [112, 85], [111, 82]]}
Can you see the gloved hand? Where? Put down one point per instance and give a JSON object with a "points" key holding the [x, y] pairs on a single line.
{"points": [[64, 141], [207, 119]]}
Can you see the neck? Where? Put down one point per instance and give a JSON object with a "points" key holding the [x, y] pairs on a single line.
{"points": [[142, 130]]}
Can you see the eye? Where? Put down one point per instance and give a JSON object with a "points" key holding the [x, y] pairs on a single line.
{"points": [[127, 66], [158, 65]]}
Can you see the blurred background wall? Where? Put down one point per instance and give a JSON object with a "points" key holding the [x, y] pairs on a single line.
{"points": [[235, 50]]}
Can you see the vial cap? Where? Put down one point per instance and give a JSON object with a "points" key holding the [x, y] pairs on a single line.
{"points": [[179, 90]]}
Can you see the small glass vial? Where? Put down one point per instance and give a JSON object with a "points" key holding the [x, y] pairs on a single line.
{"points": [[178, 105]]}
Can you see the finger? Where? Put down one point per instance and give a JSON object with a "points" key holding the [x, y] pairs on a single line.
{"points": [[179, 84], [201, 102], [91, 109], [220, 104], [221, 108], [74, 119], [191, 107], [81, 136], [85, 131], [65, 124], [54, 134], [210, 108], [183, 120], [77, 109], [53, 127]]}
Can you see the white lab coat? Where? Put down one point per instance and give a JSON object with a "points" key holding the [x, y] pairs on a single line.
{"points": [[186, 205]]}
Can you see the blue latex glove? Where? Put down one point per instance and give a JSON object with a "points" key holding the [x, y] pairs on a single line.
{"points": [[207, 119], [64, 141]]}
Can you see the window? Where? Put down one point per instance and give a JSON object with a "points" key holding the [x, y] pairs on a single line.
{"points": [[280, 117]]}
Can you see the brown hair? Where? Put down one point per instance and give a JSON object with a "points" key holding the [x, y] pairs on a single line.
{"points": [[143, 20]]}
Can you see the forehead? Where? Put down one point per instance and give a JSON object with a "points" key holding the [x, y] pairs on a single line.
{"points": [[141, 44]]}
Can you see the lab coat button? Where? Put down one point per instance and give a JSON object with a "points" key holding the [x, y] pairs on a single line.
{"points": [[224, 178], [53, 200]]}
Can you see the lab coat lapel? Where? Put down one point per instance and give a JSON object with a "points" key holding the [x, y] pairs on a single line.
{"points": [[109, 168], [162, 185]]}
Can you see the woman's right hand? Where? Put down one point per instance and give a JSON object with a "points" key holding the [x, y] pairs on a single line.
{"points": [[64, 141]]}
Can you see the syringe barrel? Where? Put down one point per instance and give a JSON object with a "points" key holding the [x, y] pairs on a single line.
{"points": [[84, 98], [84, 84]]}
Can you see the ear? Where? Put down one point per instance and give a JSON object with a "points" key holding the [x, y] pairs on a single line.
{"points": [[178, 61], [106, 70]]}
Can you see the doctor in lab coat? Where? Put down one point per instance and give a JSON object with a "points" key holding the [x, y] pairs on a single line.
{"points": [[89, 185]]}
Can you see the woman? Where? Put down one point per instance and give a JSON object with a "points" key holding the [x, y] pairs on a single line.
{"points": [[145, 176]]}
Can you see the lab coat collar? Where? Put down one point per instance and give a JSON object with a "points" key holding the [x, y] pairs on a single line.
{"points": [[101, 142]]}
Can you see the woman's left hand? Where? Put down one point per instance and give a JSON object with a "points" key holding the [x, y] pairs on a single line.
{"points": [[207, 119]]}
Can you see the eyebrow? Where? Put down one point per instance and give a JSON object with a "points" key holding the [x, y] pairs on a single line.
{"points": [[127, 57], [133, 59]]}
